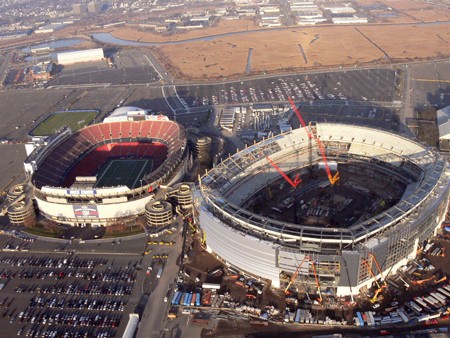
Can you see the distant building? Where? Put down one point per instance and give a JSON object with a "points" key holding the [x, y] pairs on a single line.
{"points": [[50, 28], [41, 71], [92, 7], [349, 20], [79, 9], [443, 123], [87, 55]]}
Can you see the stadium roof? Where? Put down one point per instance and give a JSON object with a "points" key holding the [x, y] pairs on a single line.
{"points": [[128, 110]]}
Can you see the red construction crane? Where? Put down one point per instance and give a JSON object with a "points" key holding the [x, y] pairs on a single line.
{"points": [[332, 178], [294, 183]]}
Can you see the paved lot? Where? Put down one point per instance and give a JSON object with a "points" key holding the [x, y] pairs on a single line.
{"points": [[351, 113], [431, 84], [12, 164], [365, 85], [129, 67], [65, 283]]}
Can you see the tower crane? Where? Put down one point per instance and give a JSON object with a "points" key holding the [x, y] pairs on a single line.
{"points": [[294, 183], [380, 287], [332, 178], [317, 282]]}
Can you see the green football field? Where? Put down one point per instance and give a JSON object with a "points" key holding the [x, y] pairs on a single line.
{"points": [[73, 120], [123, 172]]}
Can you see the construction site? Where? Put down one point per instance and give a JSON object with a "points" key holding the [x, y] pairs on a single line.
{"points": [[358, 196]]}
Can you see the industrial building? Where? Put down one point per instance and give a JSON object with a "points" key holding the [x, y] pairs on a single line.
{"points": [[87, 55], [343, 257]]}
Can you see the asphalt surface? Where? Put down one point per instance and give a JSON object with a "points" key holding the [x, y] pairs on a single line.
{"points": [[155, 313], [126, 255]]}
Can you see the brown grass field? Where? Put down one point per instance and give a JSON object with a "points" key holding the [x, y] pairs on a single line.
{"points": [[277, 50], [402, 38]]}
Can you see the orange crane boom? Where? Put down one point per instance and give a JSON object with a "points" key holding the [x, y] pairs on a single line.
{"points": [[295, 274], [378, 267], [331, 178]]}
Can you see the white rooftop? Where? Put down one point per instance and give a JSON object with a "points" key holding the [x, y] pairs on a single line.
{"points": [[443, 122]]}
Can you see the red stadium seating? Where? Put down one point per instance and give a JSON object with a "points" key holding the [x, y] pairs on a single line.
{"points": [[87, 150]]}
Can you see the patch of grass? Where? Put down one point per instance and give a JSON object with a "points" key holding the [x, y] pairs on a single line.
{"points": [[44, 232], [122, 233], [74, 120]]}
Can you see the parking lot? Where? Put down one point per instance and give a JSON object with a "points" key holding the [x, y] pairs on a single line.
{"points": [[127, 67], [76, 288], [431, 84], [364, 85]]}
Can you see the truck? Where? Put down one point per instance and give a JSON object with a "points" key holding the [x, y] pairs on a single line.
{"points": [[175, 297], [370, 319], [360, 319], [207, 298], [197, 299], [297, 316], [444, 292], [160, 271], [421, 302], [416, 308], [403, 315], [194, 296], [166, 297]]}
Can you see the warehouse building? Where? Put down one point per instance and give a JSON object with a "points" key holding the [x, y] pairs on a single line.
{"points": [[68, 58]]}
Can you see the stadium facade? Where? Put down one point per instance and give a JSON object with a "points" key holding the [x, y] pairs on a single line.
{"points": [[343, 258], [63, 173]]}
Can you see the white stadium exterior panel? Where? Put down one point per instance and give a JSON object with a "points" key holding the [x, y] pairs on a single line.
{"points": [[250, 254]]}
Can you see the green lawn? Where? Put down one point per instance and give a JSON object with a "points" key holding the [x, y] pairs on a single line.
{"points": [[129, 232], [73, 120], [40, 231], [123, 172]]}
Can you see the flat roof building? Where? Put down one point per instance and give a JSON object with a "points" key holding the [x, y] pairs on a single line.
{"points": [[86, 55]]}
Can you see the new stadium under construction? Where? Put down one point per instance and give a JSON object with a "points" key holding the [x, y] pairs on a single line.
{"points": [[107, 173], [271, 211]]}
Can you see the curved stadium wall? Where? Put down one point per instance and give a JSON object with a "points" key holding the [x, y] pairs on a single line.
{"points": [[84, 152], [266, 247]]}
